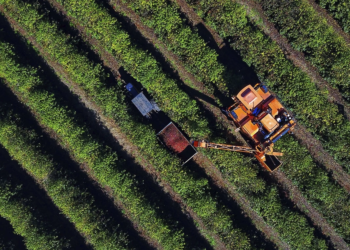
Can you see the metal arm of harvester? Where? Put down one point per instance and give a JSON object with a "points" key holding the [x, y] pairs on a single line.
{"points": [[243, 149]]}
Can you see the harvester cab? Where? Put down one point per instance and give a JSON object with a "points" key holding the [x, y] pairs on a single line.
{"points": [[262, 120]]}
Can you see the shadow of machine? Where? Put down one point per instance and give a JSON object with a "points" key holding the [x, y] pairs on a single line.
{"points": [[262, 121], [169, 135]]}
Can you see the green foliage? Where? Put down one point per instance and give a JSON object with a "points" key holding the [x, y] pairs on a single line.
{"points": [[264, 198], [139, 63], [190, 48], [340, 10], [247, 182], [295, 88], [106, 167], [75, 202], [194, 189], [309, 33], [324, 194], [35, 226], [311, 106]]}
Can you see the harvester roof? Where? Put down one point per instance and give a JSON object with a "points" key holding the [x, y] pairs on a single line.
{"points": [[249, 97], [262, 120]]}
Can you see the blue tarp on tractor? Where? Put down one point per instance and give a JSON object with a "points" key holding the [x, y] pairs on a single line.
{"points": [[142, 104]]}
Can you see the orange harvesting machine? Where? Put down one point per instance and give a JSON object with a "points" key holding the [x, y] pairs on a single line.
{"points": [[262, 120]]}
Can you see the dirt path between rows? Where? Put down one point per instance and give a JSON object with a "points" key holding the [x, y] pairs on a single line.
{"points": [[257, 16], [314, 146], [200, 159], [111, 63], [115, 130], [306, 139], [322, 157], [102, 189], [195, 20], [214, 173], [330, 21], [256, 218], [318, 220], [41, 186], [39, 189]]}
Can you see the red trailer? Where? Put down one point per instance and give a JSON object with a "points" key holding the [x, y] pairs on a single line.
{"points": [[170, 135], [173, 139]]}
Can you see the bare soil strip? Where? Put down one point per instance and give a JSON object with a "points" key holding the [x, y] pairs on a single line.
{"points": [[111, 62], [319, 154], [322, 157], [330, 21], [200, 159], [37, 188], [114, 129], [315, 147], [257, 220], [104, 189], [256, 14], [293, 192], [212, 171], [195, 20], [53, 135]]}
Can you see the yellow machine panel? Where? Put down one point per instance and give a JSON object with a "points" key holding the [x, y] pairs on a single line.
{"points": [[275, 106], [251, 128], [240, 113], [263, 94], [269, 123], [262, 120]]}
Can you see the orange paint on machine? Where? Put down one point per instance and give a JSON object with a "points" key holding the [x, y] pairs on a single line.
{"points": [[262, 121]]}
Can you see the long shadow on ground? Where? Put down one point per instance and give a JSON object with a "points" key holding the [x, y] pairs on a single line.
{"points": [[147, 184], [62, 157], [288, 203], [245, 75], [44, 208], [236, 212], [243, 222], [8, 237]]}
